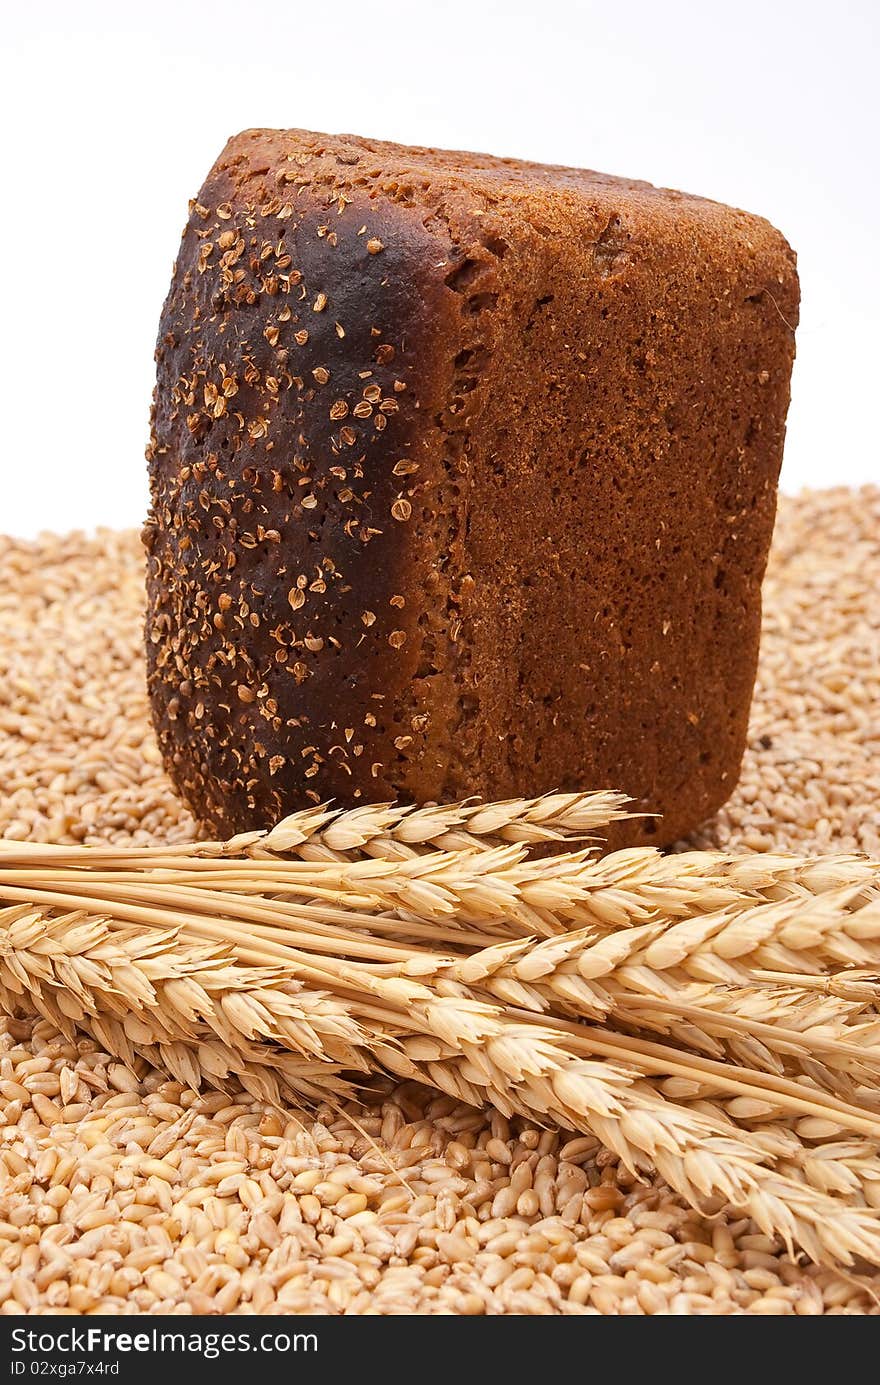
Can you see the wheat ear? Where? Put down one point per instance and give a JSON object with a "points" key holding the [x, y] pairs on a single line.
{"points": [[183, 1004]]}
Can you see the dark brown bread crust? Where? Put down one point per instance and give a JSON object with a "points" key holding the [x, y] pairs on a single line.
{"points": [[463, 475]]}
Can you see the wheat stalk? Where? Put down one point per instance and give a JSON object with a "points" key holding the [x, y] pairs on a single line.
{"points": [[497, 887], [378, 828], [270, 970], [584, 973], [500, 888], [566, 972], [156, 993], [590, 974], [463, 1045]]}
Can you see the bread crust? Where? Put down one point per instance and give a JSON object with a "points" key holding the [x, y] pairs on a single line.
{"points": [[463, 476]]}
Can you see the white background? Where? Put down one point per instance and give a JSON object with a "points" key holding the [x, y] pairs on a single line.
{"points": [[112, 114]]}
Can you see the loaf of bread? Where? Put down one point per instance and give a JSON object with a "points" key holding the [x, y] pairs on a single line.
{"points": [[463, 478]]}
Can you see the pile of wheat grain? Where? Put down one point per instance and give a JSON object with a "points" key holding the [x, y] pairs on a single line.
{"points": [[132, 1195]]}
